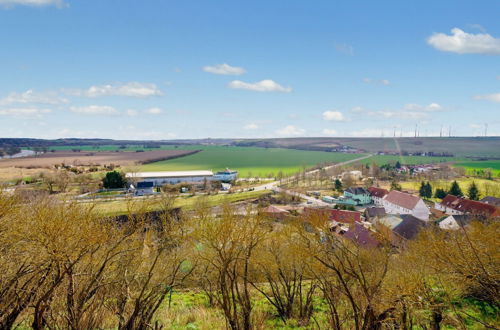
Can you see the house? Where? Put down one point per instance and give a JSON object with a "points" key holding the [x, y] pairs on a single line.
{"points": [[402, 226], [491, 200], [362, 236], [144, 188], [226, 176], [455, 222], [371, 213], [355, 196], [453, 205], [275, 212], [377, 195], [398, 202]]}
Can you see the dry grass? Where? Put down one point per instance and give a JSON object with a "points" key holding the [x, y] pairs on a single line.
{"points": [[50, 159]]}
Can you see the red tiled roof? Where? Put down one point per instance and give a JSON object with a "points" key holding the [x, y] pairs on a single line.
{"points": [[342, 216], [469, 206], [377, 192], [402, 199]]}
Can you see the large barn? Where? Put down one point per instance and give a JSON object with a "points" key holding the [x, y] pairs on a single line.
{"points": [[171, 177]]}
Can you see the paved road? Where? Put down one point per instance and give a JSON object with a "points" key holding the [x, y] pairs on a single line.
{"points": [[312, 200]]}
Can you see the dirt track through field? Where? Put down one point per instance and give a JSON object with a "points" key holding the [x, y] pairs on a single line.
{"points": [[85, 158]]}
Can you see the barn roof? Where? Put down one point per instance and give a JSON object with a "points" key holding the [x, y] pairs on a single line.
{"points": [[169, 174]]}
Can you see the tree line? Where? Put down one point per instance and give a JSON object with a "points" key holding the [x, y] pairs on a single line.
{"points": [[64, 265]]}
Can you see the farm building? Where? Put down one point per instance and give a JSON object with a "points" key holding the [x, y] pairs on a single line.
{"points": [[226, 176], [144, 188], [171, 177], [397, 202]]}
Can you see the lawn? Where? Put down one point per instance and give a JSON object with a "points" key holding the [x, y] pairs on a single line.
{"points": [[408, 160], [249, 161], [118, 207], [486, 187]]}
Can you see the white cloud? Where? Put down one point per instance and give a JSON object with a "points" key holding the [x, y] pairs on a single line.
{"points": [[328, 131], [32, 97], [260, 86], [132, 112], [224, 69], [465, 43], [94, 110], [383, 82], [132, 89], [291, 130], [33, 3], [358, 109], [489, 97], [24, 112], [417, 107], [333, 116], [154, 111], [344, 49], [251, 126], [293, 116]]}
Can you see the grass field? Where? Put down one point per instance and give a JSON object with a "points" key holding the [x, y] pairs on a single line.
{"points": [[118, 207], [471, 166], [409, 160], [486, 187], [249, 161]]}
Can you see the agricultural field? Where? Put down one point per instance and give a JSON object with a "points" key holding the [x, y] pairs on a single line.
{"points": [[473, 167], [250, 161], [50, 159], [409, 160]]}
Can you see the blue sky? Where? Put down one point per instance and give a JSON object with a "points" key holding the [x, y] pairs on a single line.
{"points": [[159, 69]]}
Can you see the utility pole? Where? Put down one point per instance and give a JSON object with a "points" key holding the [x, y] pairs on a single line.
{"points": [[416, 127], [441, 132]]}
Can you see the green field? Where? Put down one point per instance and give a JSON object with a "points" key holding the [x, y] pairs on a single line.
{"points": [[473, 167], [249, 161], [409, 160]]}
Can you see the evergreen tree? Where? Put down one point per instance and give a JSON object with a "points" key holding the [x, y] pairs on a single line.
{"points": [[428, 190], [473, 192], [455, 189], [440, 193], [398, 165], [422, 190], [338, 185]]}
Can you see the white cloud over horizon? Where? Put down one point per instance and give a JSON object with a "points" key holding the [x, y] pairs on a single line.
{"points": [[251, 126], [24, 112], [224, 69], [495, 97], [333, 116], [290, 130], [462, 42], [260, 86], [32, 97], [130, 89], [94, 110], [328, 131], [33, 3], [383, 82]]}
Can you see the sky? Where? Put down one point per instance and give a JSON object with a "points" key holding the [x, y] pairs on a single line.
{"points": [[161, 69]]}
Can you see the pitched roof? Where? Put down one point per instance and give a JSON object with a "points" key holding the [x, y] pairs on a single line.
{"points": [[402, 199], [377, 192], [362, 236], [345, 216], [342, 216], [372, 212], [273, 209], [470, 207], [169, 174], [409, 227], [358, 191], [491, 200]]}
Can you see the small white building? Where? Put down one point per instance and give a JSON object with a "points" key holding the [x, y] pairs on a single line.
{"points": [[455, 222], [378, 195], [171, 177], [397, 202]]}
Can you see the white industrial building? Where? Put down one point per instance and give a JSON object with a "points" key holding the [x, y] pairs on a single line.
{"points": [[171, 177]]}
